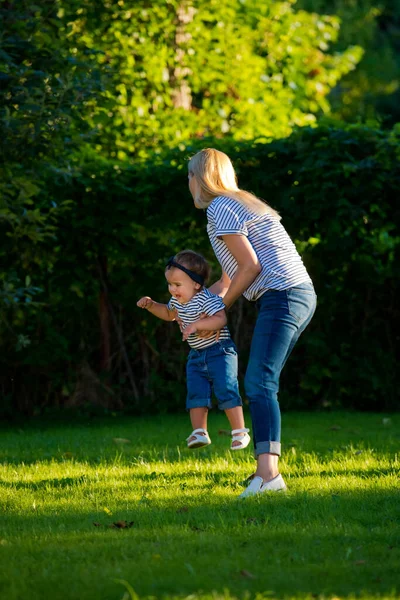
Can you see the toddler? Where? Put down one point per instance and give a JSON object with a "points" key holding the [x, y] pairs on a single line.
{"points": [[212, 360]]}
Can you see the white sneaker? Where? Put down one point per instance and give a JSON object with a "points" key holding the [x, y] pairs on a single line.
{"points": [[258, 486]]}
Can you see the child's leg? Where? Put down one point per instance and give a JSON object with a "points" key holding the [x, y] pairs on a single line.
{"points": [[223, 366], [199, 436], [198, 417], [198, 399], [236, 420]]}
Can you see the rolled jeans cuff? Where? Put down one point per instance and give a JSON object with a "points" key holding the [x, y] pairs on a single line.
{"points": [[227, 404], [198, 404], [268, 448]]}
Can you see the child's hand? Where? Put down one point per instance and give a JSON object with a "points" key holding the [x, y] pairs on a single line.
{"points": [[145, 302], [189, 329]]}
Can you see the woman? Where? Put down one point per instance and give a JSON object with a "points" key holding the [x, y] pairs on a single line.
{"points": [[260, 261]]}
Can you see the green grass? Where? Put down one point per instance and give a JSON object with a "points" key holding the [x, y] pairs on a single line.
{"points": [[334, 534]]}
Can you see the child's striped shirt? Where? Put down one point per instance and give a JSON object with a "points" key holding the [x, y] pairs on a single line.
{"points": [[202, 302]]}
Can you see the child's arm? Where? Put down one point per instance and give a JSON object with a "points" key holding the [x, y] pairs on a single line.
{"points": [[217, 321], [158, 310]]}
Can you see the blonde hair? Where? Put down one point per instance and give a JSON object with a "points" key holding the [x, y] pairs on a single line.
{"points": [[215, 176]]}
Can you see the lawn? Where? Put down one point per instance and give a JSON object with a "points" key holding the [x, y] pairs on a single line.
{"points": [[119, 508]]}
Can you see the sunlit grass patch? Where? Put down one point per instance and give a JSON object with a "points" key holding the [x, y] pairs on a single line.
{"points": [[85, 507]]}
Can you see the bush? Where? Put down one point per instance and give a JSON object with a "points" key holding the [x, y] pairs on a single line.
{"points": [[337, 191]]}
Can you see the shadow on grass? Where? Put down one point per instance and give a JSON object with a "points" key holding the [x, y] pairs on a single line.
{"points": [[62, 482], [161, 438], [225, 478], [362, 473], [283, 544]]}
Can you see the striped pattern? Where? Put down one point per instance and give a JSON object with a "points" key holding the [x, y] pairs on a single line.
{"points": [[282, 267], [202, 302]]}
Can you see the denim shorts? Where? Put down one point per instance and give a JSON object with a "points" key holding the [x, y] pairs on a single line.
{"points": [[213, 369]]}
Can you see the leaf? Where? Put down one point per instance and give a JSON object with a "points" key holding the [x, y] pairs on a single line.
{"points": [[190, 568], [247, 574], [254, 521], [122, 525], [116, 525], [195, 528], [224, 432]]}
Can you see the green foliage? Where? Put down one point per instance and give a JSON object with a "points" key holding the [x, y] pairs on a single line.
{"points": [[337, 191], [372, 91], [43, 95], [85, 231], [181, 70], [44, 90], [340, 203]]}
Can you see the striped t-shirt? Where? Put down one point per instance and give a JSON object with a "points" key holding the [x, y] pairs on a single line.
{"points": [[202, 302], [282, 267]]}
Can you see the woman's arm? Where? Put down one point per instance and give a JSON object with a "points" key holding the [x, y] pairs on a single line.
{"points": [[248, 266], [221, 286], [212, 323], [158, 310]]}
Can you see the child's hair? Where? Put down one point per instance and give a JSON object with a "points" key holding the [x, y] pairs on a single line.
{"points": [[216, 176], [195, 262]]}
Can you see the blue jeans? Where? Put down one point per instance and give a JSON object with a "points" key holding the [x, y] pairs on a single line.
{"points": [[213, 368], [282, 317]]}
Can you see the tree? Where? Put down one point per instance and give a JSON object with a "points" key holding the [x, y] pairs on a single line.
{"points": [[43, 96], [183, 69], [372, 91]]}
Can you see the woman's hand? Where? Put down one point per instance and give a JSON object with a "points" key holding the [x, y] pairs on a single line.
{"points": [[200, 332], [145, 302], [206, 334], [188, 330]]}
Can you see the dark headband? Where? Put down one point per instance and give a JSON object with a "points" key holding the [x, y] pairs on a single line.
{"points": [[195, 276]]}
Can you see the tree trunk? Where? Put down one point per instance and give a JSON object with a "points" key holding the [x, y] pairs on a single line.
{"points": [[112, 316], [181, 93], [104, 316]]}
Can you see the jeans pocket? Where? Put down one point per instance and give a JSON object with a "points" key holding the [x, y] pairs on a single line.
{"points": [[301, 304], [228, 350]]}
